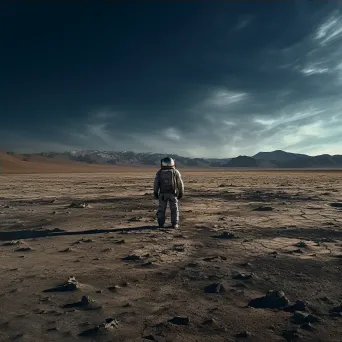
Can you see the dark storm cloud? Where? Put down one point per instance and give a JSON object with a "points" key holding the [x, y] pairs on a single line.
{"points": [[196, 78]]}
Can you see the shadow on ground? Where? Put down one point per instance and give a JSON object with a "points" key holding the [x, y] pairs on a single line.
{"points": [[39, 233], [319, 234]]}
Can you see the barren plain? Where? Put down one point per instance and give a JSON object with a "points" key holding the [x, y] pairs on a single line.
{"points": [[257, 257]]}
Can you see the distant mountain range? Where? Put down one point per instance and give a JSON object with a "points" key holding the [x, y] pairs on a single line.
{"points": [[275, 159]]}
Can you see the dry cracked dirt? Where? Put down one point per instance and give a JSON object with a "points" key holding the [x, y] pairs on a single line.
{"points": [[258, 257]]}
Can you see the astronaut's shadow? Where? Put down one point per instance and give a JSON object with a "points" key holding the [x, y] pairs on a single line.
{"points": [[40, 233]]}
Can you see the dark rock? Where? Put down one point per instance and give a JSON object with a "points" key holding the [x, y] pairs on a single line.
{"points": [[300, 317], [114, 288], [243, 276], [272, 300], [244, 334], [119, 242], [246, 264], [301, 244], [86, 303], [209, 321], [215, 258], [132, 257], [336, 314], [108, 325], [67, 250], [180, 320], [307, 326], [299, 305], [336, 204], [135, 219], [84, 241], [71, 285], [214, 288], [337, 309], [24, 249], [79, 205], [263, 208], [149, 337], [225, 235]]}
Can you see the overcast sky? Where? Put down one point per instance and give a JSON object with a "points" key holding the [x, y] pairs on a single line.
{"points": [[202, 79]]}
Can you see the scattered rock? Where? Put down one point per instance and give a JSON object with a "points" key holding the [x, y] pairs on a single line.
{"points": [[132, 257], [135, 219], [83, 240], [272, 300], [214, 288], [67, 250], [79, 205], [119, 242], [263, 208], [225, 235], [86, 303], [243, 276], [71, 285], [108, 325], [300, 317], [180, 320], [244, 334], [12, 243]]}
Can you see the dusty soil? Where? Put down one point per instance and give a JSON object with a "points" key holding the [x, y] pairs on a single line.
{"points": [[286, 237]]}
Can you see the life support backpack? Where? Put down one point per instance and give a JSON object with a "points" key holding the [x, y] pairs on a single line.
{"points": [[167, 181]]}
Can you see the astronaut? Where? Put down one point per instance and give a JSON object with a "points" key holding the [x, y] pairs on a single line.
{"points": [[168, 187]]}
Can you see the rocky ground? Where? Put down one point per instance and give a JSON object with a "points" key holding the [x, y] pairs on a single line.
{"points": [[258, 257]]}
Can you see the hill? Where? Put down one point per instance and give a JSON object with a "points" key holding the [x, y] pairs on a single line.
{"points": [[279, 155], [11, 163], [106, 161]]}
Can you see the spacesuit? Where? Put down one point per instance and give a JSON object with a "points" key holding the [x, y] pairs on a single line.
{"points": [[168, 188]]}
